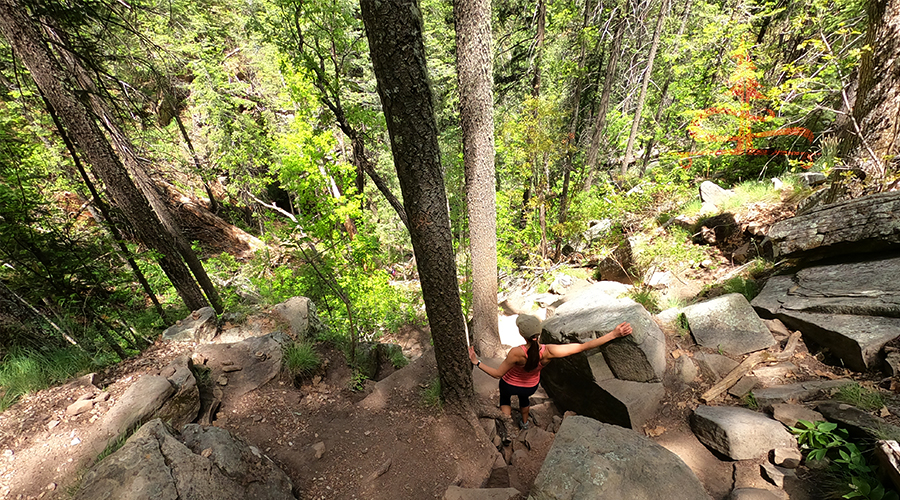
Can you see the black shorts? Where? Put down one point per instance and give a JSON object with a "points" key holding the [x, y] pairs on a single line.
{"points": [[507, 391]]}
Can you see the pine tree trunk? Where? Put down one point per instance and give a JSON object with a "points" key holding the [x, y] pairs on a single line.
{"points": [[600, 118], [474, 65], [394, 30], [25, 39], [877, 109]]}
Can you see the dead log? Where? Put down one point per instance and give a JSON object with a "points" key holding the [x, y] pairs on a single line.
{"points": [[748, 364]]}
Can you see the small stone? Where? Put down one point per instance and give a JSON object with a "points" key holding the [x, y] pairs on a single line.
{"points": [[89, 395], [51, 424], [103, 396], [787, 457], [319, 448], [222, 380], [79, 407], [51, 487], [75, 442], [206, 453], [231, 368], [775, 474]]}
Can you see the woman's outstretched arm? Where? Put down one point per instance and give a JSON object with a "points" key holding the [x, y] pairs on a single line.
{"points": [[504, 367], [563, 350]]}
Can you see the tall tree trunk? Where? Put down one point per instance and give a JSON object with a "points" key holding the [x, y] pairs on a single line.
{"points": [[639, 107], [21, 33], [600, 117], [474, 64], [394, 30], [872, 138]]}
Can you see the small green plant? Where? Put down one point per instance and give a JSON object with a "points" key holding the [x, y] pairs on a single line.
{"points": [[750, 402], [300, 359], [738, 284], [860, 397], [357, 381], [431, 394], [681, 323], [397, 359], [857, 479], [645, 297]]}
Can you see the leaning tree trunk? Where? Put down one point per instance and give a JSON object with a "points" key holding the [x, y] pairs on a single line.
{"points": [[600, 118], [21, 33], [873, 137], [474, 66], [394, 30]]}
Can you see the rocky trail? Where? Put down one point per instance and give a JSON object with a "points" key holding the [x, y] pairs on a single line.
{"points": [[704, 408]]}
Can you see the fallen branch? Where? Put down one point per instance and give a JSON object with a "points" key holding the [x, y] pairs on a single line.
{"points": [[748, 364], [735, 375]]}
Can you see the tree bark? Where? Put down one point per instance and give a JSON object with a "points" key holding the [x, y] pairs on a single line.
{"points": [[639, 106], [600, 118], [877, 108], [21, 33], [474, 64], [394, 30]]}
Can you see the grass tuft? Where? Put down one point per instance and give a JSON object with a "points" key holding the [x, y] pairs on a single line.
{"points": [[300, 359], [861, 397], [431, 394]]}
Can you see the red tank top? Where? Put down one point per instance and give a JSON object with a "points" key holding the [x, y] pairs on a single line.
{"points": [[518, 377]]}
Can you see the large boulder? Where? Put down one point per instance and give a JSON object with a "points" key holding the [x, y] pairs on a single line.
{"points": [[593, 460], [739, 433], [300, 314], [728, 323], [242, 366], [851, 309], [138, 404], [200, 326], [866, 224], [640, 357], [205, 463]]}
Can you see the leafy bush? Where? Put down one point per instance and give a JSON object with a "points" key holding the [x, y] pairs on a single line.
{"points": [[671, 250]]}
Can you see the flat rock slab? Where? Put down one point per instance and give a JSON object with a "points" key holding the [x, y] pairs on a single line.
{"points": [[858, 422], [640, 357], [739, 433], [593, 460], [801, 391], [245, 365], [869, 223], [155, 464], [457, 493], [728, 323], [753, 494], [200, 326], [846, 321], [790, 414]]}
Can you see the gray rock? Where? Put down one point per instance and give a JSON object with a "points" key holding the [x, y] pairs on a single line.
{"points": [[788, 458], [715, 365], [851, 309], [79, 407], [258, 357], [712, 193], [728, 323], [866, 224], [300, 313], [777, 328], [153, 463], [200, 326], [685, 369], [775, 474], [457, 493], [182, 408], [589, 459], [859, 423], [801, 391], [739, 433], [753, 494], [639, 357], [743, 386], [887, 453], [137, 405], [789, 414], [641, 399], [810, 179]]}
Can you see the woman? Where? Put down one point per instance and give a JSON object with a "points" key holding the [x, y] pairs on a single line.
{"points": [[520, 372]]}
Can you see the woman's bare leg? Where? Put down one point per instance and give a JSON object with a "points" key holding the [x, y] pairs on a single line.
{"points": [[506, 409], [525, 411]]}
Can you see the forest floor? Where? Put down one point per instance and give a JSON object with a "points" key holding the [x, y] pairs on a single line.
{"points": [[406, 449]]}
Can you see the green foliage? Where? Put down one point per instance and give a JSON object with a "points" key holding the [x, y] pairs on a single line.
{"points": [[749, 400], [646, 297], [397, 359], [357, 381], [669, 250], [300, 359], [857, 479], [24, 371], [431, 394], [744, 286], [861, 397]]}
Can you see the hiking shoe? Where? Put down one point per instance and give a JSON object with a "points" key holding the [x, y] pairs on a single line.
{"points": [[524, 425]]}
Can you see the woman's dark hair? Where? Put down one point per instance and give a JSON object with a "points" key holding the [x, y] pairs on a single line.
{"points": [[534, 354]]}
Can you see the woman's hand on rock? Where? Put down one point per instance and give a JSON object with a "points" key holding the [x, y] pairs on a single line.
{"points": [[622, 329]]}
